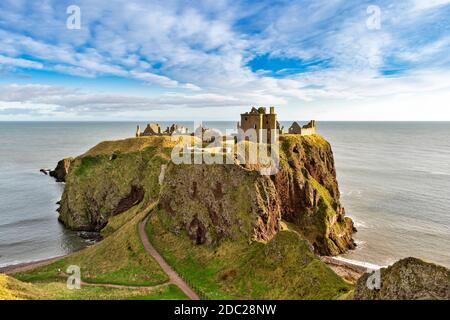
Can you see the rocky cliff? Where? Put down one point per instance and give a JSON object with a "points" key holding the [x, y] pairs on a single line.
{"points": [[309, 194], [211, 202], [61, 170], [215, 202], [111, 178], [407, 279]]}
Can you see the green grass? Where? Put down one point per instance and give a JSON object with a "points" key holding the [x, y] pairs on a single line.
{"points": [[119, 259], [85, 164], [12, 289], [118, 221], [169, 292], [284, 268], [59, 291]]}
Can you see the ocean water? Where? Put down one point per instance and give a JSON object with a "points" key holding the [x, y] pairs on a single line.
{"points": [[394, 180]]}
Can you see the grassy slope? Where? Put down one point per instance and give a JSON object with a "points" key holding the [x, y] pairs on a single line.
{"points": [[119, 259], [282, 269], [12, 289]]}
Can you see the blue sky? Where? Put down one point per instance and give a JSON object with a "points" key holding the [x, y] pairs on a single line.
{"points": [[209, 60]]}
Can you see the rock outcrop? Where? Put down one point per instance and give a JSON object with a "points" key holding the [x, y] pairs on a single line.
{"points": [[100, 185], [211, 202], [407, 279], [61, 170], [215, 202]]}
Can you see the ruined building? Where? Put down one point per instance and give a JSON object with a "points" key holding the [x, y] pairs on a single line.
{"points": [[306, 130], [261, 122], [154, 129], [256, 125]]}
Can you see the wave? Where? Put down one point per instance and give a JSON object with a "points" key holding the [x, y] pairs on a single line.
{"points": [[359, 263], [353, 193], [27, 243], [359, 224], [26, 222], [432, 172]]}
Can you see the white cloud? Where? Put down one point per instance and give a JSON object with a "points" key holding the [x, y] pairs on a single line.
{"points": [[73, 100], [428, 4], [154, 78], [21, 63], [196, 56]]}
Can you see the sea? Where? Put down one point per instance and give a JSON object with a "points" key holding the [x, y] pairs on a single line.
{"points": [[394, 179]]}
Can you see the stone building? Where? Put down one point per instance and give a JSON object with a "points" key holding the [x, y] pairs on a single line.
{"points": [[306, 130], [262, 122], [154, 129], [256, 125]]}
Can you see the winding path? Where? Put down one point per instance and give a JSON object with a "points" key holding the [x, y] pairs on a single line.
{"points": [[173, 276]]}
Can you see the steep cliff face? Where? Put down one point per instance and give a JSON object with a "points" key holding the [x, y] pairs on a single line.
{"points": [[61, 170], [309, 194], [211, 202], [407, 279], [111, 178], [215, 202]]}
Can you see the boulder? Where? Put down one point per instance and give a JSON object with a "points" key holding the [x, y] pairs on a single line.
{"points": [[407, 279]]}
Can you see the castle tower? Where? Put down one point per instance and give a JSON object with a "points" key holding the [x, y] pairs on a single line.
{"points": [[270, 124], [138, 131], [259, 120]]}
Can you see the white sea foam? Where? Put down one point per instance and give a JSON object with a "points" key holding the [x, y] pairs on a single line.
{"points": [[359, 263], [359, 224]]}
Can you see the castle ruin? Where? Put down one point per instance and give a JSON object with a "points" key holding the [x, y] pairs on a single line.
{"points": [[305, 130], [260, 121], [264, 125], [154, 129]]}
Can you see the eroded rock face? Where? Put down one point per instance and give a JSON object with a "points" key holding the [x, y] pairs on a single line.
{"points": [[309, 194], [135, 196], [215, 202], [99, 185], [407, 279], [61, 170]]}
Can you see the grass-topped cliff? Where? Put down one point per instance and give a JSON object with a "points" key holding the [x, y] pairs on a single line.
{"points": [[220, 226], [215, 200]]}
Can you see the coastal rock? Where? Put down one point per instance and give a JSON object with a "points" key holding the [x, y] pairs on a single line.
{"points": [[407, 279], [61, 170], [87, 235], [45, 171]]}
